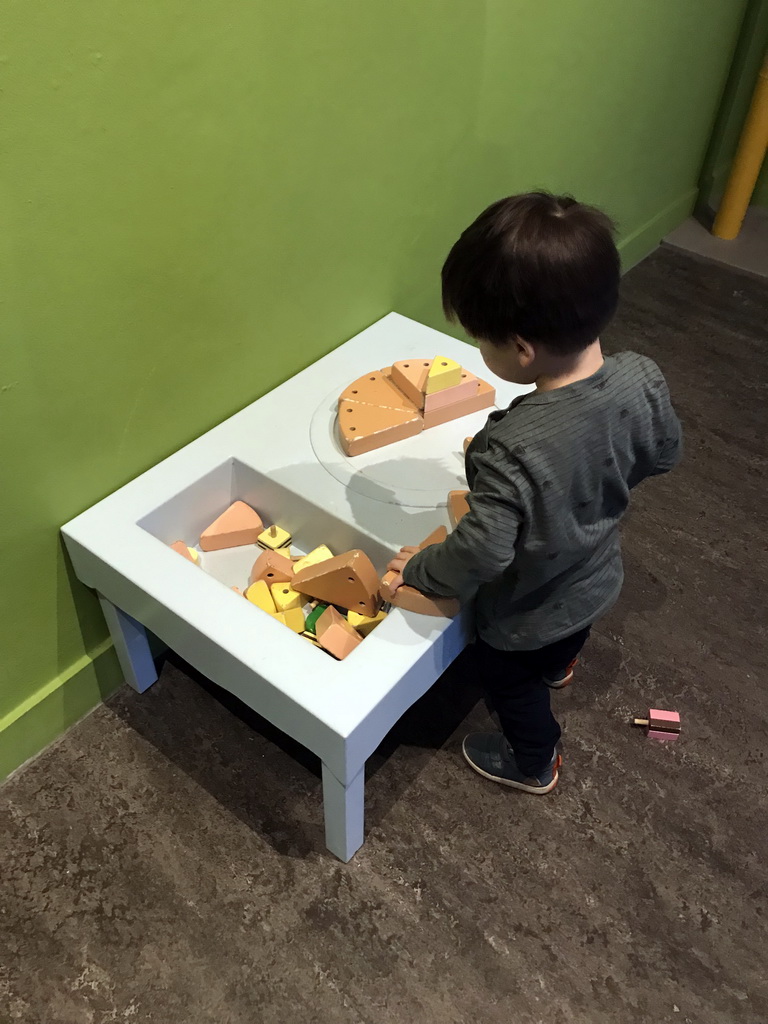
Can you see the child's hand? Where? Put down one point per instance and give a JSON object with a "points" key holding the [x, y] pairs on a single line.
{"points": [[398, 563]]}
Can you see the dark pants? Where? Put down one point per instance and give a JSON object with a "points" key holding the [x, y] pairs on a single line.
{"points": [[513, 680]]}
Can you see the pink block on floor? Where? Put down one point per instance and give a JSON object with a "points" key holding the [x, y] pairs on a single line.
{"points": [[666, 737], [449, 396], [664, 719]]}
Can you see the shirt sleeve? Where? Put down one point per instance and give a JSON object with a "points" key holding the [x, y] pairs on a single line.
{"points": [[482, 545], [670, 442]]}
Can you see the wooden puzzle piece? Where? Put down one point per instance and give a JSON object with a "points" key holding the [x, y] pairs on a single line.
{"points": [[237, 525], [348, 580], [274, 537], [465, 390], [272, 567], [443, 373], [183, 549], [436, 537], [412, 600], [377, 389], [364, 428], [661, 725], [385, 583], [410, 376], [335, 635], [458, 506], [286, 598], [485, 397], [259, 594], [293, 618], [365, 624], [319, 554]]}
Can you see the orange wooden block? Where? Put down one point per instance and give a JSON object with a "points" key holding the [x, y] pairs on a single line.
{"points": [[363, 428], [385, 585], [335, 635], [237, 526], [410, 376], [458, 506], [348, 580], [436, 537], [467, 442], [272, 567], [483, 399], [462, 392], [182, 549], [377, 389], [413, 600]]}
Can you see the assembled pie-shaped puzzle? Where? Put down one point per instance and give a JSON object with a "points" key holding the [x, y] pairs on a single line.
{"points": [[403, 399]]}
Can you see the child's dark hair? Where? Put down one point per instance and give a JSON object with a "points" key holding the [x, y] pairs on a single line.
{"points": [[536, 266]]}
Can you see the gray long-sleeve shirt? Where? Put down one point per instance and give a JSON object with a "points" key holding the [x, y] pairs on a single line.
{"points": [[549, 482]]}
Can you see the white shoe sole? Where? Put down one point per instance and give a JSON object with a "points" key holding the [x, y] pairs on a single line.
{"points": [[536, 790]]}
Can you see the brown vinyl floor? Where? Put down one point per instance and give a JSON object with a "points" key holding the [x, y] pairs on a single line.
{"points": [[164, 861]]}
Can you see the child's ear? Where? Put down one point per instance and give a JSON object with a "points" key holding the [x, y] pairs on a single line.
{"points": [[526, 353]]}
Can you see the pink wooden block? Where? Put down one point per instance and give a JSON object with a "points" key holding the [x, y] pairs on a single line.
{"points": [[449, 396], [664, 719], [666, 737]]}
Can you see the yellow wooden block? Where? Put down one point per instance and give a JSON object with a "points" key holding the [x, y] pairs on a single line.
{"points": [[293, 618], [364, 624], [258, 594], [285, 597], [274, 537], [194, 555], [443, 373], [318, 555]]}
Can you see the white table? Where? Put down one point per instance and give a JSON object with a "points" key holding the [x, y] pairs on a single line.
{"points": [[281, 456]]}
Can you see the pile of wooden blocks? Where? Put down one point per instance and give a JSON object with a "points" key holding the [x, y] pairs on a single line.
{"points": [[334, 601]]}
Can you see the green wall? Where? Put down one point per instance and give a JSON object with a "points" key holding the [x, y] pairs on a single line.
{"points": [[198, 200]]}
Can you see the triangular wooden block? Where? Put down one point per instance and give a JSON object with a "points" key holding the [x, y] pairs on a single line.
{"points": [[272, 567], [410, 376], [237, 526], [181, 548], [443, 373], [465, 391], [377, 389], [335, 635], [363, 428], [458, 506], [348, 580], [436, 537], [412, 600], [484, 397]]}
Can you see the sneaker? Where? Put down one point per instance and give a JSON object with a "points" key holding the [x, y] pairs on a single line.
{"points": [[492, 757], [562, 679]]}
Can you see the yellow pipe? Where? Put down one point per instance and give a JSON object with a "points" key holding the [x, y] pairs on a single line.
{"points": [[747, 162]]}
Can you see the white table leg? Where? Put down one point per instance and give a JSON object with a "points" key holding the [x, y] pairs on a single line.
{"points": [[131, 645], [344, 808]]}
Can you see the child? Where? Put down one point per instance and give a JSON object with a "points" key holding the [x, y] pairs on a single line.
{"points": [[534, 280]]}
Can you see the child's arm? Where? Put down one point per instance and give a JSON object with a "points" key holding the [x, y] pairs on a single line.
{"points": [[483, 543], [671, 451]]}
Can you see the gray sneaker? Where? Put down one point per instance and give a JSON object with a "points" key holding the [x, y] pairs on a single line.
{"points": [[562, 679], [492, 757]]}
